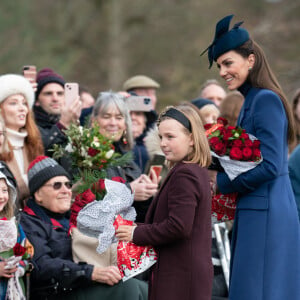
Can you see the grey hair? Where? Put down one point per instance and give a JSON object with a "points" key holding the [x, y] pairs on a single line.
{"points": [[107, 99]]}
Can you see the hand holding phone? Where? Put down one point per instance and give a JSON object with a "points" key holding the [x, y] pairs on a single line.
{"points": [[71, 92], [29, 72], [156, 169], [139, 103]]}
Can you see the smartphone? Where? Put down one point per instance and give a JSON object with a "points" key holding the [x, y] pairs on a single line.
{"points": [[157, 169], [156, 164], [139, 103], [29, 72], [71, 92]]}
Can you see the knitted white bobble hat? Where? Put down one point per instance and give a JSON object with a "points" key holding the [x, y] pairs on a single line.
{"points": [[11, 84]]}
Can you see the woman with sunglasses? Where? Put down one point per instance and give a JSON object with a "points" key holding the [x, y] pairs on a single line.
{"points": [[45, 221]]}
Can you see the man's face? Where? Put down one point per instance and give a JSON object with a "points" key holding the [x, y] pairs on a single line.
{"points": [[215, 93], [51, 98]]}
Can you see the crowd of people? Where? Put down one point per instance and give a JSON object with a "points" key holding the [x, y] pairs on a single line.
{"points": [[173, 207]]}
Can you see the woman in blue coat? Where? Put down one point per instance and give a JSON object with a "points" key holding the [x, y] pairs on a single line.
{"points": [[265, 263]]}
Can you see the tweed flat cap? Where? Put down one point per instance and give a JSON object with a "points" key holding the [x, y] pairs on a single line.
{"points": [[140, 81]]}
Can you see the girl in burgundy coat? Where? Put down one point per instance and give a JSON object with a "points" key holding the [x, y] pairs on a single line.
{"points": [[178, 222]]}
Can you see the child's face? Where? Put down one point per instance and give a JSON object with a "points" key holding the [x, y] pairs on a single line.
{"points": [[210, 113], [3, 194], [175, 143]]}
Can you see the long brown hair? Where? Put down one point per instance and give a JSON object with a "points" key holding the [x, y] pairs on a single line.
{"points": [[261, 76], [33, 140]]}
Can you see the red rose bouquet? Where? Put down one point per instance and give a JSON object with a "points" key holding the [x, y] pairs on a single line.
{"points": [[237, 152]]}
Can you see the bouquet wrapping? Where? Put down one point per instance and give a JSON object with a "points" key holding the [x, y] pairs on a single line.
{"points": [[96, 218], [133, 259], [237, 152]]}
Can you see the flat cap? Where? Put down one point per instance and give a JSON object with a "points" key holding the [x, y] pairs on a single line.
{"points": [[140, 81]]}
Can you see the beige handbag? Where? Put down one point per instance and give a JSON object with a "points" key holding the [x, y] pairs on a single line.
{"points": [[84, 250]]}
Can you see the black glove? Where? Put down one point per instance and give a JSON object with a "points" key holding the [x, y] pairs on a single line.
{"points": [[215, 165]]}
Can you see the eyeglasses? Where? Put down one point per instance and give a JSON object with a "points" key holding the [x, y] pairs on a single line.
{"points": [[58, 185]]}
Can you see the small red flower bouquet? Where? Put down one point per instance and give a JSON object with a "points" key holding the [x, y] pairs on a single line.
{"points": [[237, 152]]}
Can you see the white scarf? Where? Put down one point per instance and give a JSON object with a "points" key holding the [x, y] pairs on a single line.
{"points": [[16, 139]]}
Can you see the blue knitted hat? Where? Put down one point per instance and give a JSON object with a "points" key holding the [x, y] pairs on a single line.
{"points": [[225, 39]]}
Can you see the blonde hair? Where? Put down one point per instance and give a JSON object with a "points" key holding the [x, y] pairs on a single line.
{"points": [[201, 152]]}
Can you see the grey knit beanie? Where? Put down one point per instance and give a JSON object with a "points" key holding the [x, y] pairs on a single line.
{"points": [[42, 169]]}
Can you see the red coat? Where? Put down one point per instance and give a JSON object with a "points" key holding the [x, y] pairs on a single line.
{"points": [[178, 225]]}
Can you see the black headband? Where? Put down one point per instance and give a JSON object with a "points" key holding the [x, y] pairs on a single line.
{"points": [[178, 116]]}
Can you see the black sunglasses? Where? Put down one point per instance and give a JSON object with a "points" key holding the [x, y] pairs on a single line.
{"points": [[58, 184]]}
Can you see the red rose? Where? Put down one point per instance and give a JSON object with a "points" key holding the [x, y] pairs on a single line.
{"points": [[220, 148], [214, 140], [231, 128], [118, 179], [247, 153], [93, 152], [207, 126], [236, 153], [227, 135], [223, 121], [99, 186], [256, 144], [237, 143], [19, 250], [244, 136], [256, 154], [248, 143], [222, 130]]}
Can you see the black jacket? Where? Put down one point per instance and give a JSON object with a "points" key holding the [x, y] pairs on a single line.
{"points": [[49, 128], [54, 269]]}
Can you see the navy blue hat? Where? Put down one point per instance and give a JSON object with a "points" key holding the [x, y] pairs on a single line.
{"points": [[200, 102], [225, 39]]}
